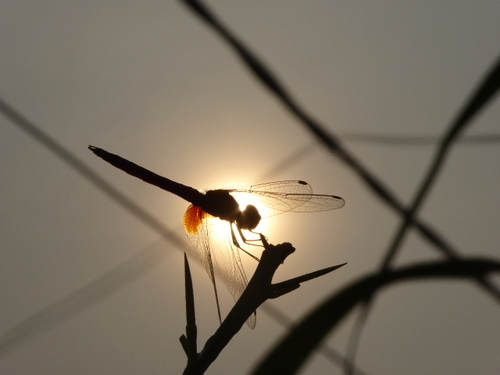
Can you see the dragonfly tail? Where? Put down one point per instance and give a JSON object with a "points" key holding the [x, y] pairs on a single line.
{"points": [[186, 192]]}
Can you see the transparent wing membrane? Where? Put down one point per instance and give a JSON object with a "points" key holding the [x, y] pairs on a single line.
{"points": [[217, 253], [273, 198]]}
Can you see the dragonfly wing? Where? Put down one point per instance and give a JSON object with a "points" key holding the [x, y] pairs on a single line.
{"points": [[320, 202], [273, 198], [197, 231], [227, 260], [196, 228], [213, 244]]}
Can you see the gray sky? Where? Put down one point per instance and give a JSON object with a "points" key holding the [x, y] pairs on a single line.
{"points": [[148, 81]]}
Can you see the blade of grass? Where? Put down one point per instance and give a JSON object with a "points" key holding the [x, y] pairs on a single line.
{"points": [[189, 341], [479, 100], [294, 349]]}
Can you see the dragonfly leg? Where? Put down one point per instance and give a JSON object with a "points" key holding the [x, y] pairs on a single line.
{"points": [[249, 241], [258, 239], [237, 244]]}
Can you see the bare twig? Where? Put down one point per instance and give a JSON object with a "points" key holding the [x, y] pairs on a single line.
{"points": [[259, 289]]}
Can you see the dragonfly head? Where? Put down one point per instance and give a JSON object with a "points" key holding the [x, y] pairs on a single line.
{"points": [[249, 218]]}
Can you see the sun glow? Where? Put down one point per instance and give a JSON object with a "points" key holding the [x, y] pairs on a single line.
{"points": [[222, 230], [263, 225]]}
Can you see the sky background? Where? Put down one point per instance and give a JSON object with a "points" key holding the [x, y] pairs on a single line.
{"points": [[150, 82]]}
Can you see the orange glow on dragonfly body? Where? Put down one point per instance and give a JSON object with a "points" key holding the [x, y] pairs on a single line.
{"points": [[200, 220]]}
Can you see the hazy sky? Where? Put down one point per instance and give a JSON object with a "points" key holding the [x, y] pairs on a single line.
{"points": [[149, 81]]}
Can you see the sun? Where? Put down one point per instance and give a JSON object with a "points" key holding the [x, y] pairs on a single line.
{"points": [[243, 202]]}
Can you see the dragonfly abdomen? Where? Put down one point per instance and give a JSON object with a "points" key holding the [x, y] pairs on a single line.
{"points": [[186, 192]]}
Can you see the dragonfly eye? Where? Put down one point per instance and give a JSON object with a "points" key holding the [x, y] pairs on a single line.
{"points": [[249, 218]]}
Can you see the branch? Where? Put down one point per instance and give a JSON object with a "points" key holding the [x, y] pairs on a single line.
{"points": [[259, 289]]}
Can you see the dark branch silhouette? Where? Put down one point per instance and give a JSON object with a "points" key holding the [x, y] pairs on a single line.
{"points": [[296, 346], [259, 289], [417, 140]]}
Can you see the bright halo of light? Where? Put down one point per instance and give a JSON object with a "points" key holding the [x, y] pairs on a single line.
{"points": [[220, 228], [246, 200]]}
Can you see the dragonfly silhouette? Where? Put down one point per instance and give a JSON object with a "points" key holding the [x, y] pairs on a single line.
{"points": [[222, 253]]}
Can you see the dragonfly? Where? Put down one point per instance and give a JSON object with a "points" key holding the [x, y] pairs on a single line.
{"points": [[221, 253]]}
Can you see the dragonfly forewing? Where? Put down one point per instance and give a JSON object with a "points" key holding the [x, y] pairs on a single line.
{"points": [[273, 198]]}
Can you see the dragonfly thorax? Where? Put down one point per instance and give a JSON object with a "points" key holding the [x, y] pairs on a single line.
{"points": [[249, 218], [221, 204]]}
